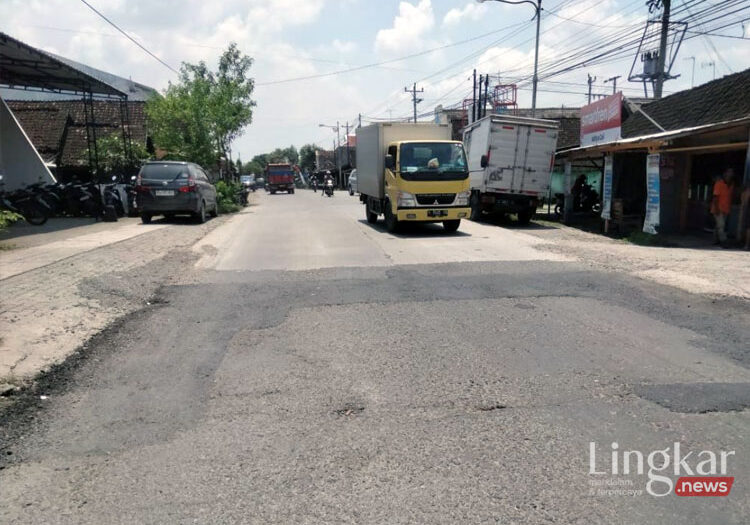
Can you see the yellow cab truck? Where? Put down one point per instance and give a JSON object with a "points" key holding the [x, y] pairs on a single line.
{"points": [[412, 172]]}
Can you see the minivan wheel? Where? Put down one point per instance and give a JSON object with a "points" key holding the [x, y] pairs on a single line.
{"points": [[215, 211], [146, 218], [200, 217]]}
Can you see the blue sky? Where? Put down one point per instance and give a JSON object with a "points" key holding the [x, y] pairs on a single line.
{"points": [[293, 38]]}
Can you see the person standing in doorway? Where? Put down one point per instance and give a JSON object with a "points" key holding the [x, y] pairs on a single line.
{"points": [[721, 205]]}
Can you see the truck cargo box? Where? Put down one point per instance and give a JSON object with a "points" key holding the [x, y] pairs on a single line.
{"points": [[372, 143], [520, 151]]}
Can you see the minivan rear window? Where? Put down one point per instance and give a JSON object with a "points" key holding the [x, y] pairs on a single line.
{"points": [[164, 171]]}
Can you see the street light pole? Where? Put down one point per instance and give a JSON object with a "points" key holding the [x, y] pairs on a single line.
{"points": [[336, 146], [538, 9]]}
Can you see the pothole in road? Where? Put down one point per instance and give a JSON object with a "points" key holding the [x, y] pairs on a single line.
{"points": [[698, 398], [490, 408], [350, 409], [524, 306]]}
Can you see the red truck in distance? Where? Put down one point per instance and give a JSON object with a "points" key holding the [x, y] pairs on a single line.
{"points": [[280, 177]]}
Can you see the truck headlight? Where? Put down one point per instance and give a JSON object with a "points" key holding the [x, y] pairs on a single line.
{"points": [[406, 200], [462, 198]]}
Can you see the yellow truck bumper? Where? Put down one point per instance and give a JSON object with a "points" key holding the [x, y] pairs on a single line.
{"points": [[424, 215]]}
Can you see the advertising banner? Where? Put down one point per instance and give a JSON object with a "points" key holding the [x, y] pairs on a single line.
{"points": [[651, 222], [607, 188], [601, 121]]}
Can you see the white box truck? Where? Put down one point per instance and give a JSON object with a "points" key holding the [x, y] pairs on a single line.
{"points": [[412, 173], [511, 160]]}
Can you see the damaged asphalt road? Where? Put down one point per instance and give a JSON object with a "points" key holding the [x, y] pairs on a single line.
{"points": [[429, 393]]}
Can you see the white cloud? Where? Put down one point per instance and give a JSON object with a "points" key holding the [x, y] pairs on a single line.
{"points": [[343, 46], [409, 29], [471, 11]]}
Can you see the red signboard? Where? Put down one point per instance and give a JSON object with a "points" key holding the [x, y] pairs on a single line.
{"points": [[601, 121]]}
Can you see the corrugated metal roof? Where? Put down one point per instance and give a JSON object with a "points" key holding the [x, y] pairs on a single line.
{"points": [[26, 67]]}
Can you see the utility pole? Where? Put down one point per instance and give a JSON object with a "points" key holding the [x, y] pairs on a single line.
{"points": [[479, 98], [591, 81], [711, 64], [535, 82], [662, 58], [360, 120], [614, 83], [474, 99], [414, 98], [348, 156], [486, 85], [692, 74]]}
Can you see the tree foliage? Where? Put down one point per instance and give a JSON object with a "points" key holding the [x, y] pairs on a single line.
{"points": [[307, 157], [284, 155], [201, 114], [113, 157]]}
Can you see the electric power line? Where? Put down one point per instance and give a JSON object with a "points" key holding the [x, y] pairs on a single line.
{"points": [[110, 22]]}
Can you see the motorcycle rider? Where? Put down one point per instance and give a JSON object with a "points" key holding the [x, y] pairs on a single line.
{"points": [[314, 182], [328, 177]]}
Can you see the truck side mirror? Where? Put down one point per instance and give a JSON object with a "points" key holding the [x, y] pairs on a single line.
{"points": [[484, 161], [390, 162]]}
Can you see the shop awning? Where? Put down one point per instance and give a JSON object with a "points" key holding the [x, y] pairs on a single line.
{"points": [[657, 140], [25, 67]]}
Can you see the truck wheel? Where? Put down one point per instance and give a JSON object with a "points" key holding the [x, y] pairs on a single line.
{"points": [[372, 217], [273, 192], [476, 207], [451, 226], [391, 221], [291, 192], [524, 217], [146, 218]]}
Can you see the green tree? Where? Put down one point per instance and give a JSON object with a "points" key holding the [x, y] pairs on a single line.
{"points": [[201, 114], [284, 155], [307, 157], [112, 155]]}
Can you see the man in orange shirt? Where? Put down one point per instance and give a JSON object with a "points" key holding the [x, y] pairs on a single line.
{"points": [[721, 205]]}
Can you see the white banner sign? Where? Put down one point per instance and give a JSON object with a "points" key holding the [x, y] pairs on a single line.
{"points": [[607, 188], [653, 212]]}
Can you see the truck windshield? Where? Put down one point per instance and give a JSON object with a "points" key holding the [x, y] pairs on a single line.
{"points": [[433, 161]]}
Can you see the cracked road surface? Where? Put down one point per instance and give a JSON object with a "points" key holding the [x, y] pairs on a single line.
{"points": [[315, 369]]}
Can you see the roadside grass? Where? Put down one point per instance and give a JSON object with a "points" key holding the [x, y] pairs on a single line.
{"points": [[7, 247], [641, 238], [7, 218], [226, 193]]}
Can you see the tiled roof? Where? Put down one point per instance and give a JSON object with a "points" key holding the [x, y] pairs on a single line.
{"points": [[717, 101], [48, 123]]}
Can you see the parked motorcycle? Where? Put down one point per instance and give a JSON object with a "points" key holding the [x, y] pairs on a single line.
{"points": [[242, 195], [31, 206], [113, 205], [586, 201], [131, 197]]}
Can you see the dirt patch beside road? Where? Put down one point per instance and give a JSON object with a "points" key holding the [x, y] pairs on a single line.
{"points": [[712, 271], [48, 312]]}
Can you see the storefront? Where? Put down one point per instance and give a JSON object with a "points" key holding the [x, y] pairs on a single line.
{"points": [[697, 135]]}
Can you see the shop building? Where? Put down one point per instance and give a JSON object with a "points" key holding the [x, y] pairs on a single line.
{"points": [[697, 134]]}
